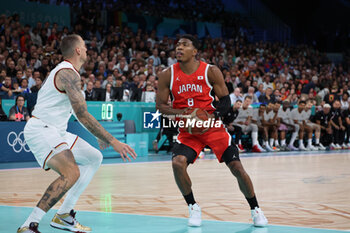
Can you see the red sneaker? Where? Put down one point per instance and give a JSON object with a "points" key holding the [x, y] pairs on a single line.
{"points": [[240, 148], [256, 149]]}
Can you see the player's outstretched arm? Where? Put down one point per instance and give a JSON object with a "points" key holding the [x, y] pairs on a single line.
{"points": [[68, 81], [162, 96]]}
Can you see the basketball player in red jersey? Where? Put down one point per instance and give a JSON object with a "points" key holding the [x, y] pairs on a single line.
{"points": [[190, 82]]}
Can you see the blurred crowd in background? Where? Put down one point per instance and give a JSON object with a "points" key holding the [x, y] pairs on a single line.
{"points": [[123, 65]]}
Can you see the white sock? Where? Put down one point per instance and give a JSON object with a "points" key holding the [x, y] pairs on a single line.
{"points": [[36, 216], [283, 142], [255, 138], [294, 136], [89, 159], [309, 142], [301, 143], [240, 142], [317, 141], [276, 143], [266, 143], [271, 142]]}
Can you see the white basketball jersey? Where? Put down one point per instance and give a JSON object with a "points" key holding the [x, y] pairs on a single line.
{"points": [[243, 114], [53, 106]]}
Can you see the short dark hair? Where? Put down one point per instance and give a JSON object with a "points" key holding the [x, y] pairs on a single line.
{"points": [[302, 102], [248, 97], [19, 96], [194, 40], [68, 44]]}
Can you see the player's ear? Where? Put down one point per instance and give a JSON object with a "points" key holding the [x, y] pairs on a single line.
{"points": [[77, 50], [195, 51]]}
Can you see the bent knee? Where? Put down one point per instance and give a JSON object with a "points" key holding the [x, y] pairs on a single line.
{"points": [[179, 162], [97, 157], [71, 174]]}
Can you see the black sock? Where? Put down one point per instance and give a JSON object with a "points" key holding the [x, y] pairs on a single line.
{"points": [[252, 202], [189, 199]]}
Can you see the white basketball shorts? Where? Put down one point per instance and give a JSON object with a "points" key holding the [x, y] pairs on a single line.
{"points": [[45, 140]]}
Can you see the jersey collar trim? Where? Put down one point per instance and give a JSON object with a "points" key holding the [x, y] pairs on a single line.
{"points": [[72, 65]]}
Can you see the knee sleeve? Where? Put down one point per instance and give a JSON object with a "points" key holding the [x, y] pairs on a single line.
{"points": [[97, 157], [188, 152], [230, 154], [85, 154]]}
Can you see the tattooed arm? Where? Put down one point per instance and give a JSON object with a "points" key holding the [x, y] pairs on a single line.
{"points": [[67, 80]]}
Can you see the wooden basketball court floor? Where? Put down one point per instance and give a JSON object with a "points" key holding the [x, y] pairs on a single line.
{"points": [[298, 192]]}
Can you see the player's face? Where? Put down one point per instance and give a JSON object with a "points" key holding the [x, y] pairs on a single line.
{"points": [[237, 105], [185, 50], [326, 110], [82, 48], [262, 108], [270, 106], [308, 105], [286, 105], [277, 107], [301, 107], [247, 102]]}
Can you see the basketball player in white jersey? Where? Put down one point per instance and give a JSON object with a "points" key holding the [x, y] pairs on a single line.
{"points": [[287, 124], [244, 120], [269, 122], [311, 127], [54, 148], [297, 117]]}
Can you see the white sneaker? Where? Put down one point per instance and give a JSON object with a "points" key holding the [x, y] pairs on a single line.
{"points": [[292, 147], [321, 147], [337, 146], [344, 146], [302, 147], [348, 145], [311, 148], [332, 146], [269, 148], [195, 219], [259, 219]]}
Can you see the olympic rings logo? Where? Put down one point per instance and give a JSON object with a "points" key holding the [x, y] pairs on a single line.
{"points": [[17, 142]]}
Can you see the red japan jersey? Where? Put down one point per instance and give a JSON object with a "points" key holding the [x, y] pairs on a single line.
{"points": [[191, 90]]}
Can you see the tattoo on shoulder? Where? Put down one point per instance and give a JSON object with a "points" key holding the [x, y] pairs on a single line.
{"points": [[72, 85], [69, 79]]}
